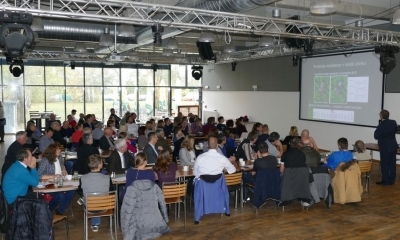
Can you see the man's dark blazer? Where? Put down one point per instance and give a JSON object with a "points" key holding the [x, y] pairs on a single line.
{"points": [[11, 156], [114, 162], [385, 133], [150, 154], [83, 153], [104, 144]]}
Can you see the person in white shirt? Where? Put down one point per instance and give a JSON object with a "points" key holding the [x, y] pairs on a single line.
{"points": [[212, 162], [132, 126]]}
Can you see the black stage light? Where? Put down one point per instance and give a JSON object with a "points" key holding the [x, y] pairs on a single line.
{"points": [[197, 72], [309, 46], [72, 64], [17, 68], [234, 66], [295, 59], [387, 57]]}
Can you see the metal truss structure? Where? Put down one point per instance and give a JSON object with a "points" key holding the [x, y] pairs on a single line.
{"points": [[186, 19]]}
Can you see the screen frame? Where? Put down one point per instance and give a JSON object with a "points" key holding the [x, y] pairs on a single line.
{"points": [[336, 54]]}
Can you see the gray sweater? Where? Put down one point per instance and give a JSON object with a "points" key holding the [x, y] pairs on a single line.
{"points": [[95, 182]]}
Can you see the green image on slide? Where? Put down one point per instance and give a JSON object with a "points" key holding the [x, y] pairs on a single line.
{"points": [[338, 89], [321, 89]]}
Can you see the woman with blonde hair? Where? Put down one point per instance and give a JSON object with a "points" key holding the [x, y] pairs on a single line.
{"points": [[293, 133], [187, 154], [359, 151], [165, 168]]}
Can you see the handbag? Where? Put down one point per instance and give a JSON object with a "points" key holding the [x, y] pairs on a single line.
{"points": [[2, 122]]}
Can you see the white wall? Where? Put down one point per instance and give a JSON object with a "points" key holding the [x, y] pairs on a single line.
{"points": [[280, 110]]}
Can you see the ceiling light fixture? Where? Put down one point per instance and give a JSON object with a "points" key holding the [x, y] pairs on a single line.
{"points": [[80, 47], [106, 39], [37, 24], [229, 48], [276, 13], [266, 41], [396, 17], [168, 52], [157, 31], [125, 30], [322, 7], [359, 23], [172, 44], [207, 37]]}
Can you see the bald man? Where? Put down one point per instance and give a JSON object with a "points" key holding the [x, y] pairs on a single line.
{"points": [[212, 162], [106, 142], [307, 141]]}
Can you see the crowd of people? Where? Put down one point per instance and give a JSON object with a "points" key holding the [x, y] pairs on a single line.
{"points": [[162, 145]]}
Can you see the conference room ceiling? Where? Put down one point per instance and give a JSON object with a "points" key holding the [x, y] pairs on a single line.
{"points": [[69, 21]]}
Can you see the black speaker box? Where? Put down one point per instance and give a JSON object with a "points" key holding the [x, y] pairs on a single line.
{"points": [[205, 50]]}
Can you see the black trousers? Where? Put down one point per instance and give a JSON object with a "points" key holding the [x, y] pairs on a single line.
{"points": [[2, 132], [388, 166]]}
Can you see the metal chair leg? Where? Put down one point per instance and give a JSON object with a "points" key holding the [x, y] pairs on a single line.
{"points": [[67, 227], [184, 210], [236, 195]]}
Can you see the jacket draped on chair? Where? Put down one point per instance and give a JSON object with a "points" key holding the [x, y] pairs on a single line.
{"points": [[347, 185], [267, 186]]}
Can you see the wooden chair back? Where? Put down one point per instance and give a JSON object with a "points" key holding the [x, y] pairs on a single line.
{"points": [[100, 201], [233, 179], [174, 190], [365, 166]]}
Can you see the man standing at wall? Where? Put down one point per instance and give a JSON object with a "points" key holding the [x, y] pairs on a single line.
{"points": [[385, 133]]}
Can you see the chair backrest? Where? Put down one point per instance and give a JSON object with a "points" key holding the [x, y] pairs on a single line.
{"points": [[233, 179], [100, 201], [365, 166], [174, 189]]}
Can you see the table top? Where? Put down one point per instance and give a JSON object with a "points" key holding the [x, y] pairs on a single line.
{"points": [[375, 147], [67, 186]]}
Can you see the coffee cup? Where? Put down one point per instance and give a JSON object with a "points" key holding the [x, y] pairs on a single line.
{"points": [[185, 168], [69, 177]]}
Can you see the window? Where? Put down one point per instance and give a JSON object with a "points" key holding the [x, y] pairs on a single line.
{"points": [[34, 100], [34, 75], [162, 101], [94, 101], [146, 77], [161, 77], [185, 96], [54, 75], [74, 98], [178, 75], [14, 97], [191, 82], [93, 77], [111, 76], [128, 77], [146, 103], [111, 100], [9, 79], [129, 97], [74, 76], [55, 101]]}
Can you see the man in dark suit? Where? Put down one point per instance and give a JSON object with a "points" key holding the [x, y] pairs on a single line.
{"points": [[120, 159], [83, 153], [150, 149], [12, 151], [385, 133], [89, 121], [106, 142]]}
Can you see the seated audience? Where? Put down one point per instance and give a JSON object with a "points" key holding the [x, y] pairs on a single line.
{"points": [[49, 168], [240, 127], [95, 182], [46, 139], [85, 130], [71, 121], [83, 154], [257, 127], [274, 145], [132, 126], [138, 171], [229, 126], [81, 119], [230, 140], [124, 119], [32, 135], [245, 150], [341, 156], [18, 178], [160, 124], [116, 118], [13, 149], [51, 120], [210, 125], [131, 148], [66, 129], [187, 155], [120, 159], [221, 126], [111, 124], [142, 139], [149, 128], [313, 157], [185, 126], [177, 144], [123, 128], [150, 149], [191, 117], [98, 132], [212, 133], [89, 119], [196, 127], [293, 133], [77, 135], [307, 140], [222, 145], [162, 143], [73, 114], [165, 168], [212, 162], [294, 157], [359, 151], [57, 135], [169, 127], [263, 137], [106, 142]]}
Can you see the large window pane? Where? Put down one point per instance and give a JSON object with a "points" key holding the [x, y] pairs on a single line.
{"points": [[128, 77], [111, 76], [178, 75], [34, 75], [93, 77], [129, 100], [191, 81], [146, 103], [34, 100], [54, 75], [111, 100], [55, 101], [74, 76], [74, 97], [162, 77], [146, 77], [9, 79], [93, 101], [14, 108], [162, 101], [184, 96]]}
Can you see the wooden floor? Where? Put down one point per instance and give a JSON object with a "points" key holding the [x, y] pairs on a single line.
{"points": [[377, 216]]}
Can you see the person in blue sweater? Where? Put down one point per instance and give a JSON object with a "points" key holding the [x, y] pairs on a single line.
{"points": [[20, 176], [341, 156]]}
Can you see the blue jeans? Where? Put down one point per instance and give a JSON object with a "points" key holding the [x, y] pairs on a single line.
{"points": [[61, 198], [96, 221], [68, 166], [247, 178]]}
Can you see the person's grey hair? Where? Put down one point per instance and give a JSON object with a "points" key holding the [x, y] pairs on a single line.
{"points": [[22, 154], [87, 130], [120, 143], [54, 123], [159, 132], [86, 137], [98, 124], [20, 134]]}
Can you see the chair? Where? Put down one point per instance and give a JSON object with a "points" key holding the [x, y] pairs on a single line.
{"points": [[365, 169], [100, 205], [59, 218], [174, 192], [234, 183]]}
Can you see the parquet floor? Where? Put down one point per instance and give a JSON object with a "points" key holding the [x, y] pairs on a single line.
{"points": [[377, 216]]}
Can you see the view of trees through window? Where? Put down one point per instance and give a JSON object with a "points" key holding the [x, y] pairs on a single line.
{"points": [[54, 86]]}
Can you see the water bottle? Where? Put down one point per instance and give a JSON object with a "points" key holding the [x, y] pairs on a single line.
{"points": [[61, 182]]}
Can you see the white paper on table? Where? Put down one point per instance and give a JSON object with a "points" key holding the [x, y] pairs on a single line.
{"points": [[120, 179]]}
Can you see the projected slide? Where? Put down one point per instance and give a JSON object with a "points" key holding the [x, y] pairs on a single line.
{"points": [[341, 89]]}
